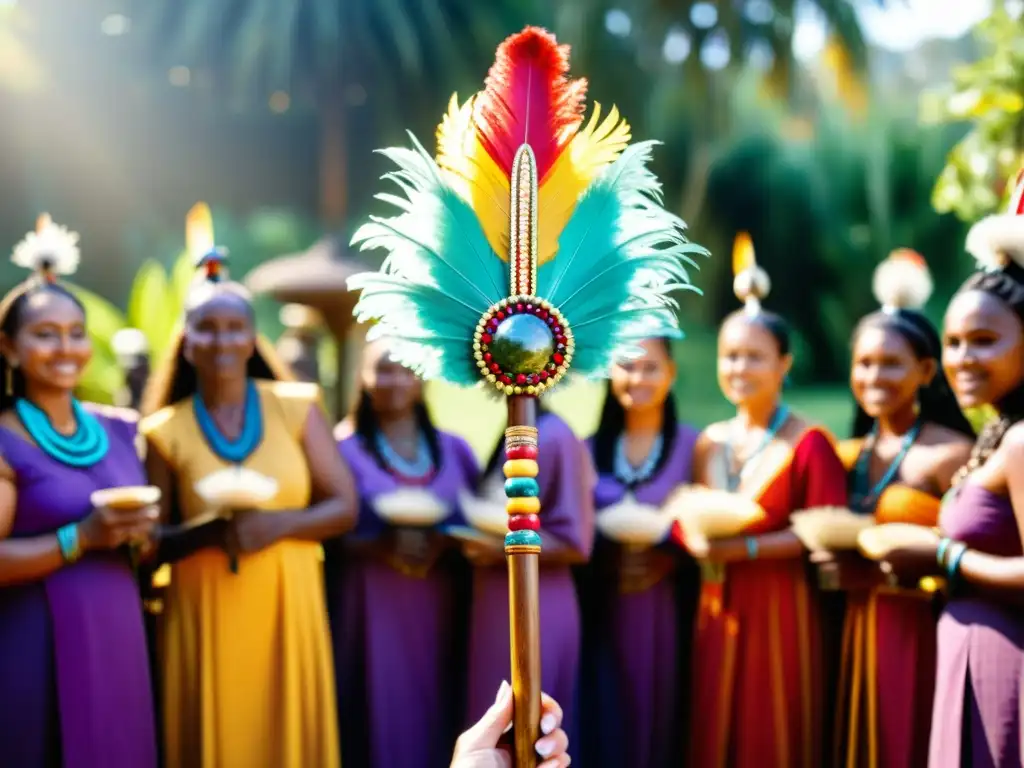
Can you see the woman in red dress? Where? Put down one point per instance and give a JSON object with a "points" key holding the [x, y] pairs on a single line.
{"points": [[757, 683]]}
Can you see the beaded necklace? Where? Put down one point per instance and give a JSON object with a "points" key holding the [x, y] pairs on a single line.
{"points": [[735, 476], [241, 448], [862, 498], [629, 475], [419, 471], [85, 448]]}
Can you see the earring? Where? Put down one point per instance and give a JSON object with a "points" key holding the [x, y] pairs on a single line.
{"points": [[9, 377]]}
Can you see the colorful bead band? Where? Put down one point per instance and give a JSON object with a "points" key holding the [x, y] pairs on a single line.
{"points": [[524, 523], [520, 468], [522, 539], [521, 452], [516, 487], [523, 505]]}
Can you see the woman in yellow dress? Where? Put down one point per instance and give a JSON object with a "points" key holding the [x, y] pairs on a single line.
{"points": [[245, 663]]}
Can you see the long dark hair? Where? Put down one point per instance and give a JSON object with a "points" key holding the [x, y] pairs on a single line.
{"points": [[613, 424], [366, 427], [175, 378], [12, 311], [937, 401], [1007, 286]]}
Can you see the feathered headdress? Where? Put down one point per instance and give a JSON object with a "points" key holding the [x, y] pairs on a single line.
{"points": [[531, 243], [902, 281], [997, 239], [208, 257], [750, 282], [50, 251]]}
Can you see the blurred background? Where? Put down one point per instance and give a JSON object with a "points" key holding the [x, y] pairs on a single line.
{"points": [[832, 130]]}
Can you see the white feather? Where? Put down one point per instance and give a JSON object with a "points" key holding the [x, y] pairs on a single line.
{"points": [[52, 243], [902, 283], [751, 286], [995, 238]]}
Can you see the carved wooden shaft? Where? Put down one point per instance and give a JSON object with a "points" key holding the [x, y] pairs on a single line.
{"points": [[522, 549]]}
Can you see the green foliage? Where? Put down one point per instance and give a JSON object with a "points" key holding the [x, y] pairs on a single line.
{"points": [[985, 95]]}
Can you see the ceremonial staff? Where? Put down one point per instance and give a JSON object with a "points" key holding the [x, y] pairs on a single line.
{"points": [[530, 246]]}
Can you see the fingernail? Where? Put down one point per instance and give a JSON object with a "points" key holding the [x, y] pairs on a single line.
{"points": [[545, 747], [547, 724], [503, 693], [507, 727]]}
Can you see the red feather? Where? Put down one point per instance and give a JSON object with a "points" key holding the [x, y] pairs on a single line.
{"points": [[527, 99]]}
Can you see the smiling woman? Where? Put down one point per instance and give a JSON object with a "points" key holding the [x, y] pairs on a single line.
{"points": [[74, 677]]}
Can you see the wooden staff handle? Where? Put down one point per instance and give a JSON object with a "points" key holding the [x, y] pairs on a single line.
{"points": [[522, 549]]}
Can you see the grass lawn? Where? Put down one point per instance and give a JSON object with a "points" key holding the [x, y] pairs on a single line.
{"points": [[479, 418]]}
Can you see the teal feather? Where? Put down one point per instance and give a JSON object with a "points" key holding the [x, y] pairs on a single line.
{"points": [[620, 257], [440, 274]]}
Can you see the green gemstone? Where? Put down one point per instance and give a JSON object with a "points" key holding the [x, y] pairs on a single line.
{"points": [[522, 344], [522, 539], [519, 487]]}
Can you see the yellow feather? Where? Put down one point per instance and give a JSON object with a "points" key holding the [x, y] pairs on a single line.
{"points": [[596, 146], [742, 253], [478, 180], [474, 176], [199, 231]]}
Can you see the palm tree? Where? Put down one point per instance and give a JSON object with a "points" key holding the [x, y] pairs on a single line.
{"points": [[335, 57]]}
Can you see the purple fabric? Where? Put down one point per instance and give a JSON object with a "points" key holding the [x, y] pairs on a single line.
{"points": [[567, 513], [976, 720], [637, 636], [395, 636], [74, 675]]}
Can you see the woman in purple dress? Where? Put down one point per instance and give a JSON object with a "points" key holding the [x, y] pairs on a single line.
{"points": [[393, 585], [976, 719], [74, 676], [567, 517], [640, 596]]}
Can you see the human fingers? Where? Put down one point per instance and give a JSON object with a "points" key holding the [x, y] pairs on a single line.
{"points": [[486, 732], [557, 762], [551, 714], [554, 745]]}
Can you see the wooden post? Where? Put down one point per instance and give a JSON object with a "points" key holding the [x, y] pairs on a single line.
{"points": [[522, 549]]}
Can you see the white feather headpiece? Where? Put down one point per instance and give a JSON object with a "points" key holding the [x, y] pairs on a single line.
{"points": [[751, 283], [902, 281], [50, 250], [997, 239]]}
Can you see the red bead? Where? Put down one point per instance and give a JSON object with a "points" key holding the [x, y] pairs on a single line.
{"points": [[495, 368], [520, 379], [521, 452], [500, 315], [488, 357], [543, 314], [530, 308], [486, 338], [556, 329], [506, 379], [543, 375], [561, 339], [557, 358], [519, 307], [492, 326], [524, 523]]}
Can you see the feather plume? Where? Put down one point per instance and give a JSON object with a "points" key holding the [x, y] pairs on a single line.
{"points": [[902, 281], [199, 231], [751, 283], [527, 99], [51, 249]]}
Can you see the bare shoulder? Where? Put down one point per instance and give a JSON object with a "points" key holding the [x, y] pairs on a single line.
{"points": [[1013, 441], [127, 415], [714, 434]]}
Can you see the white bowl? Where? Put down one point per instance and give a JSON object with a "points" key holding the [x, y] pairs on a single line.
{"points": [[126, 497], [412, 507], [485, 513], [829, 529], [713, 514], [236, 488], [876, 542], [629, 522]]}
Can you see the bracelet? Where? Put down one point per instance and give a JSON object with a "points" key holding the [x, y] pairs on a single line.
{"points": [[956, 554], [70, 546], [940, 553], [751, 548]]}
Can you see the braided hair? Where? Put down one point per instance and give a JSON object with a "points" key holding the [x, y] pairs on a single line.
{"points": [[1007, 286]]}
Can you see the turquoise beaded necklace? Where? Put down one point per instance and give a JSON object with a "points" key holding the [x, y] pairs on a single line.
{"points": [[238, 450], [85, 448]]}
